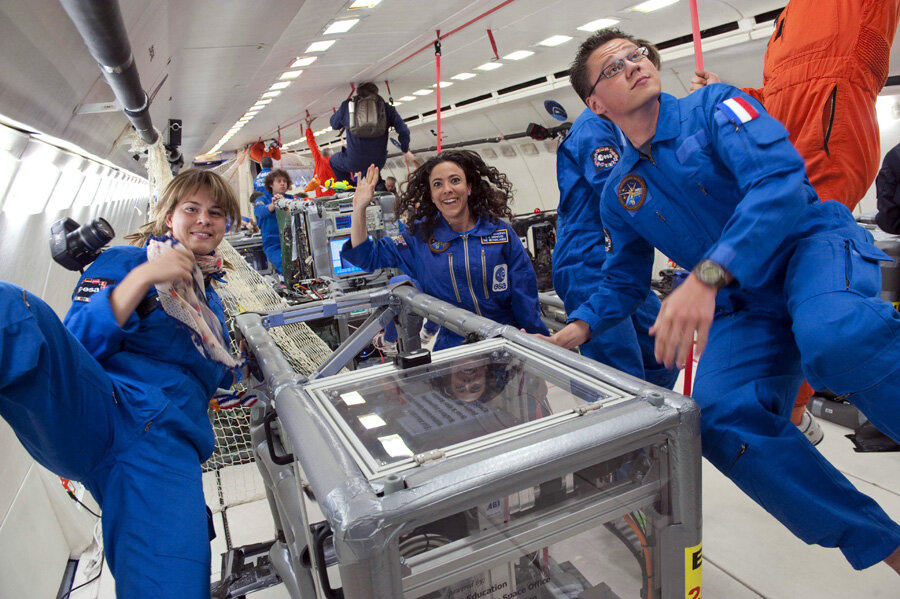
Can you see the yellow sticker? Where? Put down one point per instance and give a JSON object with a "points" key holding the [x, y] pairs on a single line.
{"points": [[896, 305], [693, 571]]}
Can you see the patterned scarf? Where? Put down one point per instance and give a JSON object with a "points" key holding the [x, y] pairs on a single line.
{"points": [[187, 304]]}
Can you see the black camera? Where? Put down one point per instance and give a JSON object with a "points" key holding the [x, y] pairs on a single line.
{"points": [[73, 246]]}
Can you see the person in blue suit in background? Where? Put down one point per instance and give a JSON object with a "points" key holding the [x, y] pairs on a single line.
{"points": [[116, 396], [713, 182], [455, 246], [259, 182], [583, 162], [277, 183]]}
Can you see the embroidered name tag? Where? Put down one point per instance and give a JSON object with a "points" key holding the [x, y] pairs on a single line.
{"points": [[89, 287], [498, 236]]}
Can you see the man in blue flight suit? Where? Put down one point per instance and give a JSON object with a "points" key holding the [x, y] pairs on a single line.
{"points": [[583, 162], [363, 151], [712, 181], [259, 183], [277, 183]]}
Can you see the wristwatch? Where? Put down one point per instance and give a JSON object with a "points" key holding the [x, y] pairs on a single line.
{"points": [[710, 274]]}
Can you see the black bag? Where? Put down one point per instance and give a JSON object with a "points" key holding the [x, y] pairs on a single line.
{"points": [[368, 116]]}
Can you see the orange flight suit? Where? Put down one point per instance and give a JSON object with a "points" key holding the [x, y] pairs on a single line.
{"points": [[322, 171], [825, 63]]}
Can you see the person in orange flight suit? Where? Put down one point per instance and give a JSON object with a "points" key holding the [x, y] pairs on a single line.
{"points": [[322, 171], [825, 64]]}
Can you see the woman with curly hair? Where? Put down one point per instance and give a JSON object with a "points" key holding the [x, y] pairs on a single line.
{"points": [[455, 245]]}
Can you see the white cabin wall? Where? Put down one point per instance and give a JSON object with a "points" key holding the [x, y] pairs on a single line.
{"points": [[40, 527]]}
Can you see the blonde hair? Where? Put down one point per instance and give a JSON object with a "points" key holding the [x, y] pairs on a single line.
{"points": [[182, 186]]}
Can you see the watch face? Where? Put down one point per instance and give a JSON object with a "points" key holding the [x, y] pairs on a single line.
{"points": [[710, 273]]}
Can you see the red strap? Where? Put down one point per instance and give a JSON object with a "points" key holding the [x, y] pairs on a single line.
{"points": [[695, 30], [437, 59], [493, 44]]}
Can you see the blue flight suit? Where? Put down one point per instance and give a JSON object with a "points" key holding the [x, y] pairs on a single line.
{"points": [[363, 151], [485, 271], [716, 184], [259, 183], [268, 228], [583, 162], [123, 410]]}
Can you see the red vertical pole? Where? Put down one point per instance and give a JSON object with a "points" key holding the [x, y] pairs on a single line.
{"points": [[695, 30]]}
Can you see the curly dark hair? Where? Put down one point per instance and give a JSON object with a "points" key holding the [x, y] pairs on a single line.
{"points": [[270, 178], [491, 192]]}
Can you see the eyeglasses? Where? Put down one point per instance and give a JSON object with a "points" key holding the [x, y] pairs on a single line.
{"points": [[618, 66]]}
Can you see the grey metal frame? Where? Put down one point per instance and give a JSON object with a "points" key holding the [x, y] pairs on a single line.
{"points": [[367, 525]]}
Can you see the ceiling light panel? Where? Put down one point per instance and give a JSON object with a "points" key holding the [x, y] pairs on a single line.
{"points": [[598, 25], [364, 4], [555, 40], [280, 85], [304, 61], [271, 94], [652, 5], [463, 76], [290, 75], [519, 55], [423, 92], [489, 66], [443, 84], [340, 26], [319, 46], [408, 98]]}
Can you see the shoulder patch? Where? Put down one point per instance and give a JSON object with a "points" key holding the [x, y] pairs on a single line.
{"points": [[498, 236], [607, 241], [499, 281], [738, 110], [89, 287], [632, 192], [604, 157], [398, 240], [437, 247]]}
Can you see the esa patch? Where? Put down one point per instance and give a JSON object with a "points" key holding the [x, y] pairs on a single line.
{"points": [[398, 240], [438, 247], [500, 280], [607, 241], [632, 192], [604, 157], [498, 236], [89, 287], [738, 110]]}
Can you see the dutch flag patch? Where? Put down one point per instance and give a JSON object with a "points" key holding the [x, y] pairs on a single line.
{"points": [[738, 110]]}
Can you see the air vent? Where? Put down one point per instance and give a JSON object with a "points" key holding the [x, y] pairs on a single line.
{"points": [[523, 85], [507, 150], [529, 149], [489, 153], [473, 100]]}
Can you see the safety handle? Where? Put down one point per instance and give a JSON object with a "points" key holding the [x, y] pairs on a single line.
{"points": [[281, 460], [321, 532]]}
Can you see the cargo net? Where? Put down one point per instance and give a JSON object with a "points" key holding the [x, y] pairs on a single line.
{"points": [[230, 476], [236, 172]]}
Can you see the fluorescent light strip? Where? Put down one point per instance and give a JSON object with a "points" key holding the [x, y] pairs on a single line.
{"points": [[364, 4], [320, 46], [262, 102], [555, 40], [271, 94], [518, 55], [489, 66], [652, 5], [423, 92], [443, 84], [304, 62], [598, 25], [340, 26], [290, 75], [463, 76], [407, 98], [280, 85]]}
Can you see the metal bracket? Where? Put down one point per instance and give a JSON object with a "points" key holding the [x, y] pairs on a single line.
{"points": [[429, 456]]}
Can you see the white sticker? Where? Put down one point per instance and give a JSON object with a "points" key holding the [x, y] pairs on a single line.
{"points": [[371, 421], [395, 447], [500, 279], [353, 398]]}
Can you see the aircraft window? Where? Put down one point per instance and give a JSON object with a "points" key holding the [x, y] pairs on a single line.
{"points": [[33, 182], [66, 189], [88, 189]]}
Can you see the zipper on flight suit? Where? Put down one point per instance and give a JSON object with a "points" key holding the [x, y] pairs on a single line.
{"points": [[453, 277], [465, 239], [484, 274]]}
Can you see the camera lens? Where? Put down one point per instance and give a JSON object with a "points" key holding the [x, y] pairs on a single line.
{"points": [[95, 234]]}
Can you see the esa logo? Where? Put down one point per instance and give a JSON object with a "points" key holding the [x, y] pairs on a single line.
{"points": [[500, 280], [604, 157]]}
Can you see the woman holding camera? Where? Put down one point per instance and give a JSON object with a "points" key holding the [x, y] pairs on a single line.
{"points": [[116, 396], [455, 245]]}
